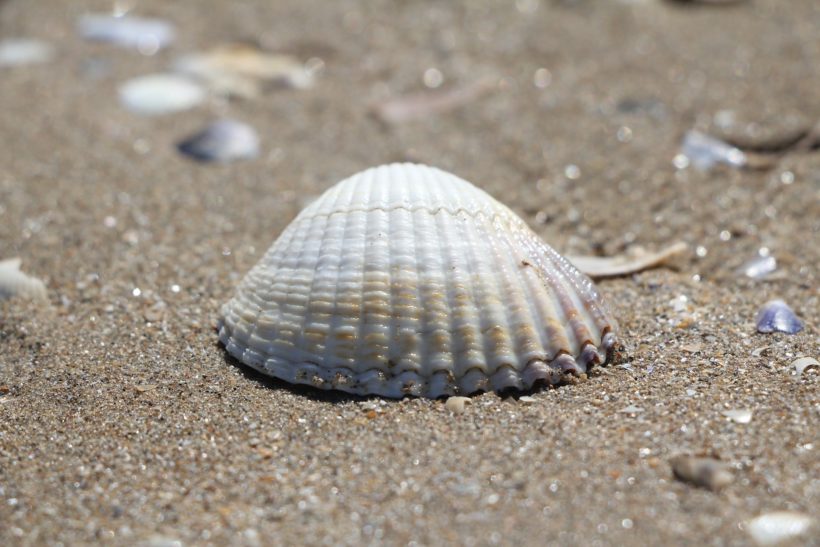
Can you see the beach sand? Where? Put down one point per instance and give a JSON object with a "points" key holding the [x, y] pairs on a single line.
{"points": [[123, 421]]}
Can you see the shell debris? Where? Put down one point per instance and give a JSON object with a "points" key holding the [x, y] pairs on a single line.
{"points": [[157, 94], [704, 472], [15, 283], [634, 262], [222, 141], [406, 280], [803, 364], [24, 51], [778, 526], [143, 34], [456, 404], [740, 416], [777, 316]]}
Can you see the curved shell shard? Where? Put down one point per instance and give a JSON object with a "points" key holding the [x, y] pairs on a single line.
{"points": [[405, 279]]}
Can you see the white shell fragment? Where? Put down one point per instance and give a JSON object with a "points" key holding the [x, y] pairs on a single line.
{"points": [[145, 35], [406, 280], [158, 94], [22, 51], [222, 141], [636, 261], [800, 365], [14, 283], [704, 152], [740, 416], [417, 106], [779, 526], [456, 404], [242, 70]]}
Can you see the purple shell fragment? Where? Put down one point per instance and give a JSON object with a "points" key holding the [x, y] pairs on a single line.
{"points": [[777, 316], [222, 141]]}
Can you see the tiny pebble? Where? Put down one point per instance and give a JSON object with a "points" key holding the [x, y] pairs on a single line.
{"points": [[456, 404], [704, 472], [759, 267], [142, 388], [527, 400], [778, 526], [739, 416]]}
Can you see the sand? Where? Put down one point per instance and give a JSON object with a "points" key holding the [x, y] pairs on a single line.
{"points": [[122, 421]]}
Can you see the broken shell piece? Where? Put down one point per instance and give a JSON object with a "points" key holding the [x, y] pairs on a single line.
{"points": [[421, 105], [778, 526], [800, 365], [704, 472], [19, 52], [759, 267], [14, 283], [145, 35], [406, 280], [222, 141], [777, 316], [704, 152], [636, 261], [739, 416], [157, 94], [242, 70]]}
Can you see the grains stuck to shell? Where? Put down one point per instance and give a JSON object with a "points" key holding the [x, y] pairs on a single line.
{"points": [[406, 280]]}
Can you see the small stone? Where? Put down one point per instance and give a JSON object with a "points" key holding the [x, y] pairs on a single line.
{"points": [[704, 472], [456, 404], [739, 416], [142, 388], [527, 400], [759, 267]]}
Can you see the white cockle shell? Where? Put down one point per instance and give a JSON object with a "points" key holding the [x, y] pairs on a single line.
{"points": [[405, 279]]}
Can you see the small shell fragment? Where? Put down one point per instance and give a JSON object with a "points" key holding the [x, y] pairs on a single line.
{"points": [[777, 316], [804, 363], [638, 260], [222, 141], [421, 105], [406, 280], [22, 51], [704, 152], [145, 35], [778, 526], [739, 416], [759, 267], [243, 70], [704, 472], [14, 283], [158, 94]]}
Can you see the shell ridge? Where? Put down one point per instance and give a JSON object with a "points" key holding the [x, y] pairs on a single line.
{"points": [[525, 314]]}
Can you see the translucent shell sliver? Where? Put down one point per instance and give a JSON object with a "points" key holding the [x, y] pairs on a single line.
{"points": [[407, 280]]}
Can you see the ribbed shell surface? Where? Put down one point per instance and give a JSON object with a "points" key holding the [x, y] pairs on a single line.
{"points": [[404, 279]]}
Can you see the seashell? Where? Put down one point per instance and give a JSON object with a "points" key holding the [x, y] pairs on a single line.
{"points": [[404, 279], [222, 141], [157, 94], [22, 51], [777, 316], [143, 34], [704, 472], [704, 152], [14, 283], [778, 526], [758, 267], [243, 70], [804, 363], [636, 261]]}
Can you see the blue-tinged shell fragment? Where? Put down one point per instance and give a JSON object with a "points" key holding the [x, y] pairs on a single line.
{"points": [[777, 316], [222, 141]]}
